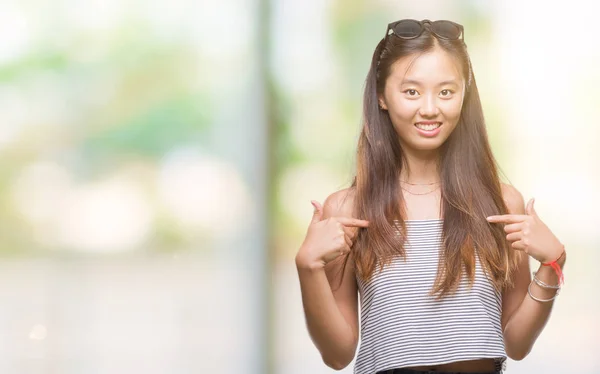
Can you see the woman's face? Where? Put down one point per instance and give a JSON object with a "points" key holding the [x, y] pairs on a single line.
{"points": [[423, 96]]}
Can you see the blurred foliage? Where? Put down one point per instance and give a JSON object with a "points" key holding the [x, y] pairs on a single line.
{"points": [[128, 96]]}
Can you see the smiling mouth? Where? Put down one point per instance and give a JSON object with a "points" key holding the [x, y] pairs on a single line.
{"points": [[428, 127]]}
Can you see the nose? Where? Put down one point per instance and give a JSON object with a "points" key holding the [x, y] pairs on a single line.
{"points": [[429, 108]]}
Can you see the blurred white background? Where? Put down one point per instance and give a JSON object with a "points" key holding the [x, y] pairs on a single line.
{"points": [[157, 162]]}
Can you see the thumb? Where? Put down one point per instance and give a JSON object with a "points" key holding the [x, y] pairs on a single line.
{"points": [[530, 209], [318, 213]]}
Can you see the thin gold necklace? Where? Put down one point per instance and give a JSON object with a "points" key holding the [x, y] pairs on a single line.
{"points": [[420, 184], [414, 193]]}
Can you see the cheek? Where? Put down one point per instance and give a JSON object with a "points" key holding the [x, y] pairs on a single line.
{"points": [[404, 109], [451, 110]]}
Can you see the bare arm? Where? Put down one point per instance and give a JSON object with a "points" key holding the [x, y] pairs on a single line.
{"points": [[331, 308], [523, 318]]}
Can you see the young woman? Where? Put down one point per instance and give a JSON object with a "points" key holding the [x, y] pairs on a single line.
{"points": [[435, 245]]}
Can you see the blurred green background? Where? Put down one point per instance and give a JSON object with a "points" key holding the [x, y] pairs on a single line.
{"points": [[157, 162]]}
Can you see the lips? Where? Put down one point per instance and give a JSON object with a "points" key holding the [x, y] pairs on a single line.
{"points": [[428, 126], [428, 129]]}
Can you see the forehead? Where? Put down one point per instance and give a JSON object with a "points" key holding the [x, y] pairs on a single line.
{"points": [[432, 67]]}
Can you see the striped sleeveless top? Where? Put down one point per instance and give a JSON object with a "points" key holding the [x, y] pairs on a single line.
{"points": [[402, 325]]}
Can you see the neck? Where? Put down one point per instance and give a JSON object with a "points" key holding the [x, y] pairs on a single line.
{"points": [[420, 167]]}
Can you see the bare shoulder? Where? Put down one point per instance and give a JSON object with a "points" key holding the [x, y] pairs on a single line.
{"points": [[339, 204], [513, 199]]}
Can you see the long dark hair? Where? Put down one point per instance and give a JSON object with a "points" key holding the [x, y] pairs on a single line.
{"points": [[470, 185]]}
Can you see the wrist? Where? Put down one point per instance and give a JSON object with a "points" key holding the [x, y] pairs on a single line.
{"points": [[546, 271], [303, 264], [559, 258], [556, 266], [562, 259]]}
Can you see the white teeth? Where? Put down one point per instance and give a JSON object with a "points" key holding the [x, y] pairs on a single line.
{"points": [[428, 127]]}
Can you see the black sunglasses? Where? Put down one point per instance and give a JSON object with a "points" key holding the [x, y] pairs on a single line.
{"points": [[410, 29]]}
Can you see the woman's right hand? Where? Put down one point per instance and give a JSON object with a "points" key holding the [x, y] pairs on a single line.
{"points": [[327, 239]]}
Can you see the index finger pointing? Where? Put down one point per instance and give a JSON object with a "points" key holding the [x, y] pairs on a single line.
{"points": [[507, 218], [353, 222]]}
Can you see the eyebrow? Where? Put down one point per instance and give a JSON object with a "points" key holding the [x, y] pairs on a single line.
{"points": [[418, 83]]}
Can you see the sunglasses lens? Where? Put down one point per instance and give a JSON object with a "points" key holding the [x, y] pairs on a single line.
{"points": [[446, 29], [407, 29]]}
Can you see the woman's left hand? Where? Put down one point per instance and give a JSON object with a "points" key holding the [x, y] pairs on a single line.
{"points": [[528, 233]]}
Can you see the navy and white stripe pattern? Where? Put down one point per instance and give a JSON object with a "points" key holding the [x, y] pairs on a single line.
{"points": [[403, 326]]}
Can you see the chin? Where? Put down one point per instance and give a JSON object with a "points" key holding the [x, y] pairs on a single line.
{"points": [[428, 144]]}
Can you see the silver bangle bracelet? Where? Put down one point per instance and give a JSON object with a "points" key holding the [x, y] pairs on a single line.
{"points": [[538, 299], [544, 285]]}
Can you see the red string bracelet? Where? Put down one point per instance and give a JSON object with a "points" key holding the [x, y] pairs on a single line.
{"points": [[557, 269]]}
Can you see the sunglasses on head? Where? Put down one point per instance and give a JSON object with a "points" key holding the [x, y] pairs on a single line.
{"points": [[411, 29]]}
